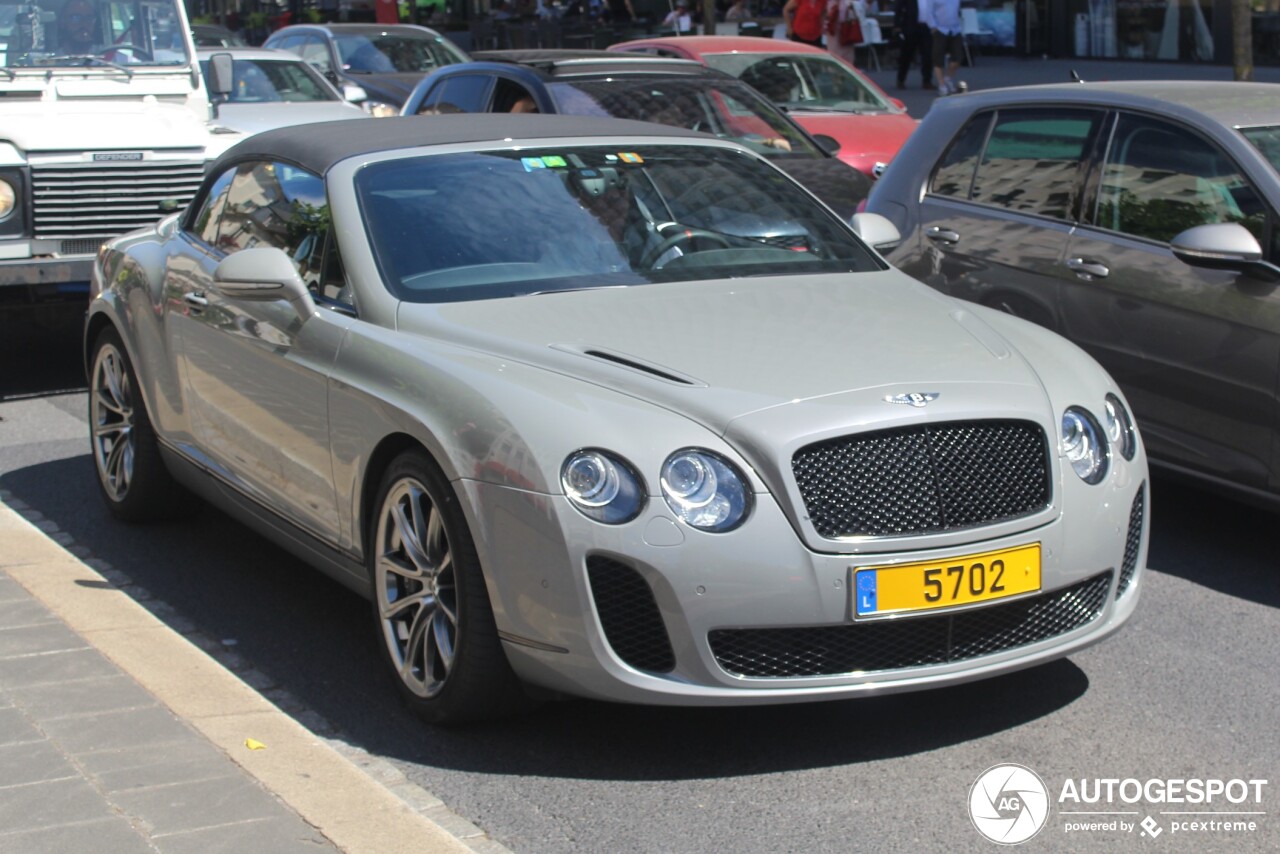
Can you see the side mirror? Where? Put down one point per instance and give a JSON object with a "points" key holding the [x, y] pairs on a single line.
{"points": [[829, 144], [878, 231], [354, 94], [899, 103], [1224, 246], [263, 274], [221, 77]]}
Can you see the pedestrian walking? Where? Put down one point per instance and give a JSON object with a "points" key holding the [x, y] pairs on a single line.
{"points": [[914, 39], [805, 19], [945, 27]]}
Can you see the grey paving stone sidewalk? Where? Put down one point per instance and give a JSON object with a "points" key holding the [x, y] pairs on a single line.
{"points": [[91, 761]]}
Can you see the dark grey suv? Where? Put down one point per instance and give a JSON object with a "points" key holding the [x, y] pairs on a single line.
{"points": [[1137, 219]]}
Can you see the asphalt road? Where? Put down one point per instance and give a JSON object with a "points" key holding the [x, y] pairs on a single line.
{"points": [[1187, 690]]}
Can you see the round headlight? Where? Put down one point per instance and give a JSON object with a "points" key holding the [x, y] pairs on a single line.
{"points": [[8, 199], [1120, 430], [1084, 445], [602, 487], [705, 491]]}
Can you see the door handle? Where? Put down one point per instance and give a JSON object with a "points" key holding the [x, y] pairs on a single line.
{"points": [[196, 299], [942, 235], [1089, 269]]}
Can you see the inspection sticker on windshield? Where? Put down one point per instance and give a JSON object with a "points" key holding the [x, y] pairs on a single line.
{"points": [[935, 584], [552, 160], [531, 163], [630, 157]]}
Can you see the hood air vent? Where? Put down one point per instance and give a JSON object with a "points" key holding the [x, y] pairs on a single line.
{"points": [[632, 363]]}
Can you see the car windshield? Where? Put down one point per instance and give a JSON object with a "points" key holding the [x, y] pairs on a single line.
{"points": [[385, 53], [724, 108], [1267, 141], [482, 225], [803, 81], [90, 33], [258, 81]]}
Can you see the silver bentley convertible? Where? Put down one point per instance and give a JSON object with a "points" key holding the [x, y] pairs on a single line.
{"points": [[610, 409]]}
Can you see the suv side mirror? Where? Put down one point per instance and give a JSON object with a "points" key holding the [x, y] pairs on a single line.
{"points": [[878, 231], [221, 78], [262, 274], [1224, 246]]}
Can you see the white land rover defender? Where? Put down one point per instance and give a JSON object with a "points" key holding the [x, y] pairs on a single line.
{"points": [[104, 128]]}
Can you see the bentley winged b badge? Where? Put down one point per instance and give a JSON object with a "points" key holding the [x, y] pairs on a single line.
{"points": [[915, 398]]}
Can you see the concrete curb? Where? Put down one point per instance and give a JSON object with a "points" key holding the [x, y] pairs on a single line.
{"points": [[330, 785]]}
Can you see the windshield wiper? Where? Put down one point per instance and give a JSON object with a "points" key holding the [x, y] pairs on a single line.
{"points": [[86, 59]]}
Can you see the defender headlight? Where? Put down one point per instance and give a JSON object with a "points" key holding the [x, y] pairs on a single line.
{"points": [[705, 491], [1120, 430], [1084, 444], [602, 487], [8, 199]]}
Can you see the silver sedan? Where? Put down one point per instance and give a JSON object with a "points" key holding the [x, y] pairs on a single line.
{"points": [[614, 410]]}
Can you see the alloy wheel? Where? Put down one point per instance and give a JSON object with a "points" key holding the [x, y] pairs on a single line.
{"points": [[114, 420], [416, 588]]}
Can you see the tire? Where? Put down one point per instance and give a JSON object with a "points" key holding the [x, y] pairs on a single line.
{"points": [[132, 478], [431, 610]]}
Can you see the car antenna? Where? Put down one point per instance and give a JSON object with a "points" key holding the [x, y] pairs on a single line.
{"points": [[1075, 77]]}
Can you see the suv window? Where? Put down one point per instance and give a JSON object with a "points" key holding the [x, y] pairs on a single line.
{"points": [[464, 93], [1160, 179], [954, 176]]}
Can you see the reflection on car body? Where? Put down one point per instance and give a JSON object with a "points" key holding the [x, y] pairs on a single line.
{"points": [[613, 410]]}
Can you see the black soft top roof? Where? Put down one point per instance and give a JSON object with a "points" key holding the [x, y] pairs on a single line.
{"points": [[317, 147]]}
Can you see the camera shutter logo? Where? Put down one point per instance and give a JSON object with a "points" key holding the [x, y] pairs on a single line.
{"points": [[1009, 804]]}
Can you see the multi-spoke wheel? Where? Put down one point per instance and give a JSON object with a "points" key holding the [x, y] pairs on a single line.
{"points": [[430, 603], [132, 477]]}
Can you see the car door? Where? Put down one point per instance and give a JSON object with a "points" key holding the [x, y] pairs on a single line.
{"points": [[999, 207], [1195, 350], [256, 372]]}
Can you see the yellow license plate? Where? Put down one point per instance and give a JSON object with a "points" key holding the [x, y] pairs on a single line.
{"points": [[961, 580]]}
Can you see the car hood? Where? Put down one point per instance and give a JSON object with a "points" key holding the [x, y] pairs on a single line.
{"points": [[390, 89], [59, 125], [721, 350], [862, 137], [841, 186], [254, 118]]}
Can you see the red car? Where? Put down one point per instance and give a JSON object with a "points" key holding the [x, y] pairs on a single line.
{"points": [[822, 92]]}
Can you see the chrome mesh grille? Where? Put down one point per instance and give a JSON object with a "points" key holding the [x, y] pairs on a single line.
{"points": [[924, 479], [629, 615], [80, 201], [915, 642], [1133, 541]]}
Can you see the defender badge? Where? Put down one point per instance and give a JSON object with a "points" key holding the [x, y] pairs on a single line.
{"points": [[915, 398]]}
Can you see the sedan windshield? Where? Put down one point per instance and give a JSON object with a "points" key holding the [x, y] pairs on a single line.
{"points": [[1267, 141], [492, 224], [803, 81], [723, 108], [258, 81], [385, 54], [91, 33]]}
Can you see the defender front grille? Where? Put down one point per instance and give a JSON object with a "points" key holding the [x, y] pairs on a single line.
{"points": [[924, 479], [95, 201], [1133, 541], [629, 615], [911, 642]]}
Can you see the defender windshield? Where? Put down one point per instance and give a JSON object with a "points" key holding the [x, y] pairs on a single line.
{"points": [[803, 81], [481, 225], [91, 33], [724, 108]]}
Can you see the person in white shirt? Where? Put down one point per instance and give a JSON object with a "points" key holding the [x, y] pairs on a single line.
{"points": [[679, 18], [943, 20]]}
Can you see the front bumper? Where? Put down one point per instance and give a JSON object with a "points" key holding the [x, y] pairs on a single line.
{"points": [[50, 278], [654, 612]]}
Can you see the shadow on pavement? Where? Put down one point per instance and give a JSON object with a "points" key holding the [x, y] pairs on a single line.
{"points": [[1182, 512], [41, 351]]}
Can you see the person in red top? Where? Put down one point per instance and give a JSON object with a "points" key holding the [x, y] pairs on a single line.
{"points": [[805, 19]]}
